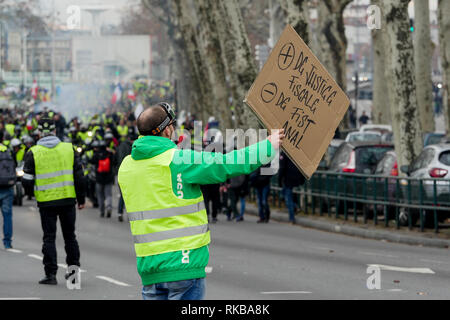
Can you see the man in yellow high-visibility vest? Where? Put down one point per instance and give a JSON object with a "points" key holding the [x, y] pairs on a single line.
{"points": [[55, 172], [161, 189]]}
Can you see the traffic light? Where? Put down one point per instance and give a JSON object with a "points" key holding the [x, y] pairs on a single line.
{"points": [[411, 25]]}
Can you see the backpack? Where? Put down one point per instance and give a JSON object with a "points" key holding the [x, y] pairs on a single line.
{"points": [[7, 169], [104, 165]]}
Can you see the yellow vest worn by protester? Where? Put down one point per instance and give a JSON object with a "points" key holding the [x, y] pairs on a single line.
{"points": [[54, 172], [160, 221]]}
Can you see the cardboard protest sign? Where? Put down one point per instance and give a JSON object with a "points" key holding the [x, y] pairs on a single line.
{"points": [[295, 92]]}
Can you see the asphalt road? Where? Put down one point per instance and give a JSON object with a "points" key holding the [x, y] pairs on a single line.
{"points": [[249, 261]]}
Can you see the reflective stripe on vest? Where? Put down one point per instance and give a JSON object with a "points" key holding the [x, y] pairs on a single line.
{"points": [[166, 213], [54, 172], [160, 222], [170, 234], [54, 185]]}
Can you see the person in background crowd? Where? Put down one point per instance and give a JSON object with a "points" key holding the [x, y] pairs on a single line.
{"points": [[238, 190], [262, 185], [289, 178], [55, 174], [7, 182], [123, 150], [363, 119], [104, 163]]}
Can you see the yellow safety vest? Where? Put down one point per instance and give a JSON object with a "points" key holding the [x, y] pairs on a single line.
{"points": [[160, 221], [54, 172]]}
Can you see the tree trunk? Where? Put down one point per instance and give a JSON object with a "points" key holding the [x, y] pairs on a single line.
{"points": [[276, 22], [200, 75], [422, 58], [238, 58], [297, 15], [444, 40], [380, 103], [402, 90], [333, 43], [187, 98], [208, 32]]}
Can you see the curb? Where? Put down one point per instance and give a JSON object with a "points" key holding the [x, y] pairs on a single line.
{"points": [[356, 231]]}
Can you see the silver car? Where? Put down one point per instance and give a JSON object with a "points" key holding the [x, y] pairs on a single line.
{"points": [[432, 163]]}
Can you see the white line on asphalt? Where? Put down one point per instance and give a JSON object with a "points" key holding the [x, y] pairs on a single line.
{"points": [[285, 292], [401, 269], [320, 248], [31, 298], [14, 250], [377, 254], [113, 281], [35, 256], [64, 266], [394, 290], [434, 261], [208, 269]]}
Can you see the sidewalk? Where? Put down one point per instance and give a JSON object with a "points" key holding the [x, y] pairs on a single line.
{"points": [[324, 223]]}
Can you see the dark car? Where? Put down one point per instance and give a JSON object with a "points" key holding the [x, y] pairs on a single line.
{"points": [[352, 158], [359, 157]]}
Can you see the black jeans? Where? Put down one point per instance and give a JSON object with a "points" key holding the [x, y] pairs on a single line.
{"points": [[49, 218], [211, 193]]}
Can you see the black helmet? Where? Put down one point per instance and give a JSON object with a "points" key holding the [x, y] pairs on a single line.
{"points": [[46, 124]]}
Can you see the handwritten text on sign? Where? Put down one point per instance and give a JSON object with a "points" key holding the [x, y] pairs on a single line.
{"points": [[295, 92]]}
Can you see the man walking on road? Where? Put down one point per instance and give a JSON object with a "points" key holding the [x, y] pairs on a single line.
{"points": [[7, 182], [56, 174], [161, 188]]}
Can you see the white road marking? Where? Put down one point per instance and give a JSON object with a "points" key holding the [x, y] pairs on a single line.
{"points": [[401, 269], [434, 261], [28, 298], [35, 256], [113, 281], [14, 250], [320, 248], [377, 254], [208, 269], [64, 266], [285, 292], [394, 290]]}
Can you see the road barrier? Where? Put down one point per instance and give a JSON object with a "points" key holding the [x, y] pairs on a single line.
{"points": [[403, 200]]}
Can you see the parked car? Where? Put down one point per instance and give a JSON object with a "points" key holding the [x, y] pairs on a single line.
{"points": [[388, 167], [358, 157], [432, 138], [353, 157], [433, 162], [382, 128], [326, 160], [364, 136]]}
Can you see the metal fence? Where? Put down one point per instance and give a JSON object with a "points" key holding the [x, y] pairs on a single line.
{"points": [[361, 197]]}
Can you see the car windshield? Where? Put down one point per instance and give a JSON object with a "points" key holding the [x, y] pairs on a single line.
{"points": [[368, 157]]}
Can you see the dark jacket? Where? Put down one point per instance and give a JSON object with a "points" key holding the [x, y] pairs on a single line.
{"points": [[103, 177], [78, 176], [123, 150], [240, 185], [288, 175], [257, 180]]}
